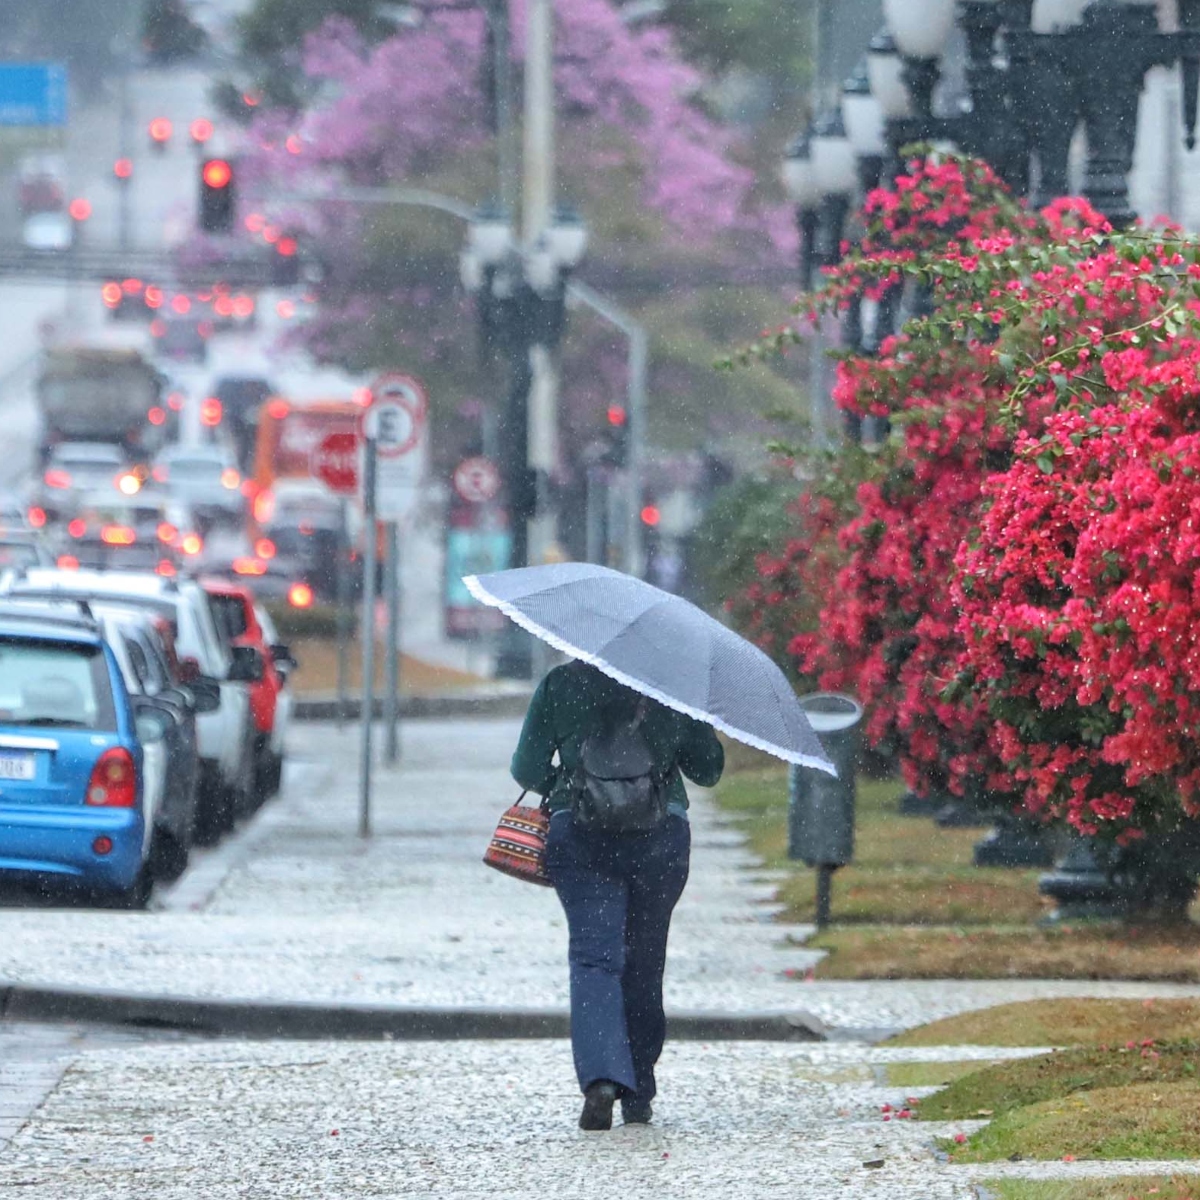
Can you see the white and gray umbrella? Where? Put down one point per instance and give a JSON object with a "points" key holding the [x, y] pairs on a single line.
{"points": [[661, 646]]}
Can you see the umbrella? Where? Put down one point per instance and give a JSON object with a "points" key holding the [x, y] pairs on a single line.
{"points": [[661, 646]]}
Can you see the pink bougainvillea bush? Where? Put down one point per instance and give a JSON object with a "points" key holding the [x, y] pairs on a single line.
{"points": [[1022, 572]]}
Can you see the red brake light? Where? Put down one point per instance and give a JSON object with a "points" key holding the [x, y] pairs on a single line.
{"points": [[264, 548], [117, 535], [181, 304], [114, 780], [300, 595], [191, 544], [131, 287], [77, 528], [153, 297], [165, 567], [166, 531], [160, 129], [67, 562], [278, 409], [79, 209], [201, 129], [210, 411], [249, 566], [110, 293], [57, 478], [123, 168], [157, 416], [36, 517]]}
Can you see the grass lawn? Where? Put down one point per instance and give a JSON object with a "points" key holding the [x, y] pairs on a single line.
{"points": [[1006, 1087], [1132, 1187], [913, 906], [1068, 1022], [1144, 1120]]}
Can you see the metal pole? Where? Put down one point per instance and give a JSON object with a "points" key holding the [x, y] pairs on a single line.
{"points": [[824, 895], [391, 702], [124, 150], [367, 634], [595, 517], [639, 356], [826, 75], [537, 216], [342, 584], [506, 164]]}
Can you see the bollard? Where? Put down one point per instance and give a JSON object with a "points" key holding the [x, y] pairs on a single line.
{"points": [[821, 808]]}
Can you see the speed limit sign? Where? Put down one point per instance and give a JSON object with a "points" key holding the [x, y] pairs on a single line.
{"points": [[394, 427]]}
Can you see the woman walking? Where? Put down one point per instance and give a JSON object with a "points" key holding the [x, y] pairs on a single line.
{"points": [[617, 854]]}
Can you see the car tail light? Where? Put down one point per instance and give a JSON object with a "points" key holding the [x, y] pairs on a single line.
{"points": [[165, 568], [131, 287], [110, 293], [264, 548], [103, 844], [57, 478], [158, 327], [264, 507], [77, 528], [114, 780], [159, 474], [67, 562], [175, 401], [230, 479], [300, 595], [166, 532], [249, 566], [153, 297], [129, 484], [181, 304], [210, 411], [278, 409], [191, 544], [223, 306], [117, 535], [36, 516], [157, 416]]}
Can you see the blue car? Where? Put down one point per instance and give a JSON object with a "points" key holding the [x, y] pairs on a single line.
{"points": [[71, 796]]}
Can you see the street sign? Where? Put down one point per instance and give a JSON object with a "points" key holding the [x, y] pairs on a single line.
{"points": [[396, 422], [335, 463], [477, 480], [33, 94]]}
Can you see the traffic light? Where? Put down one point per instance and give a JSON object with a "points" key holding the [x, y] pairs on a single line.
{"points": [[285, 265], [618, 435], [217, 196], [160, 131]]}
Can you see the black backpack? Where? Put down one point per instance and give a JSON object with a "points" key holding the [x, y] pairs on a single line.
{"points": [[616, 789]]}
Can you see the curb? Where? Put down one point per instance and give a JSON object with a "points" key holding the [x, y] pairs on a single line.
{"points": [[350, 1022], [324, 707]]}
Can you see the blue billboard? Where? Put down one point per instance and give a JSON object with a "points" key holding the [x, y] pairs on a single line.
{"points": [[33, 94]]}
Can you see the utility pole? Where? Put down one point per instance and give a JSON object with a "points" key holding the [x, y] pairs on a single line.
{"points": [[537, 216]]}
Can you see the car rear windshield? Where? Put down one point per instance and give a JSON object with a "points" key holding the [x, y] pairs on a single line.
{"points": [[196, 468], [230, 612], [46, 683]]}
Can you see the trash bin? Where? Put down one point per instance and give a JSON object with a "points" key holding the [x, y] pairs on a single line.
{"points": [[820, 807]]}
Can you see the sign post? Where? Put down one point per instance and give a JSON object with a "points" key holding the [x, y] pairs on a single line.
{"points": [[367, 635], [396, 421]]}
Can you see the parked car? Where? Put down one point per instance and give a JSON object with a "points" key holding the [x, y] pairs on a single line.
{"points": [[226, 735], [140, 640], [246, 624], [73, 803]]}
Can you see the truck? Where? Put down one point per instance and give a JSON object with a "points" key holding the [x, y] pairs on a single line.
{"points": [[94, 393]]}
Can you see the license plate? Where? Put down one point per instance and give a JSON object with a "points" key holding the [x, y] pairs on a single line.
{"points": [[16, 766]]}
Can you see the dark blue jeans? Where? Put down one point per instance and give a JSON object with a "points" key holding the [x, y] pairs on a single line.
{"points": [[618, 891]]}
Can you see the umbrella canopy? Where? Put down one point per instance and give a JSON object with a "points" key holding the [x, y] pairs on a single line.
{"points": [[661, 646]]}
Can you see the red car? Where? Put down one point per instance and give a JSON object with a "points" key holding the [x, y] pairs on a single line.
{"points": [[247, 624]]}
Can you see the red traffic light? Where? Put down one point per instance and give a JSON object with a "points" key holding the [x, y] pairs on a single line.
{"points": [[201, 129], [160, 129], [123, 168], [217, 173], [650, 515], [617, 416], [79, 209], [286, 246]]}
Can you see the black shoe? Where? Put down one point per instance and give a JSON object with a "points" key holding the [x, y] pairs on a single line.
{"points": [[598, 1103], [637, 1112]]}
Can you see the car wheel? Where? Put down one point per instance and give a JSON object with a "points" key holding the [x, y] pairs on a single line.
{"points": [[268, 776], [214, 812], [168, 856]]}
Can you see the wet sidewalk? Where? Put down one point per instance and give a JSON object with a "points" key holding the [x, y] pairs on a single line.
{"points": [[298, 909]]}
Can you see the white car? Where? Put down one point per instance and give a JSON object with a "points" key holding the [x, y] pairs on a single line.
{"points": [[83, 467], [225, 738], [205, 478], [52, 232]]}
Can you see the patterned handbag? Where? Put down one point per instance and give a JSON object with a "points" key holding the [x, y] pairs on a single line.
{"points": [[518, 847]]}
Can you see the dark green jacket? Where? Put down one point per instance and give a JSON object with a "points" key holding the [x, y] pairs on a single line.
{"points": [[575, 700]]}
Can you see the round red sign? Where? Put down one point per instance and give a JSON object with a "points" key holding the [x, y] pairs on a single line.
{"points": [[335, 462]]}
